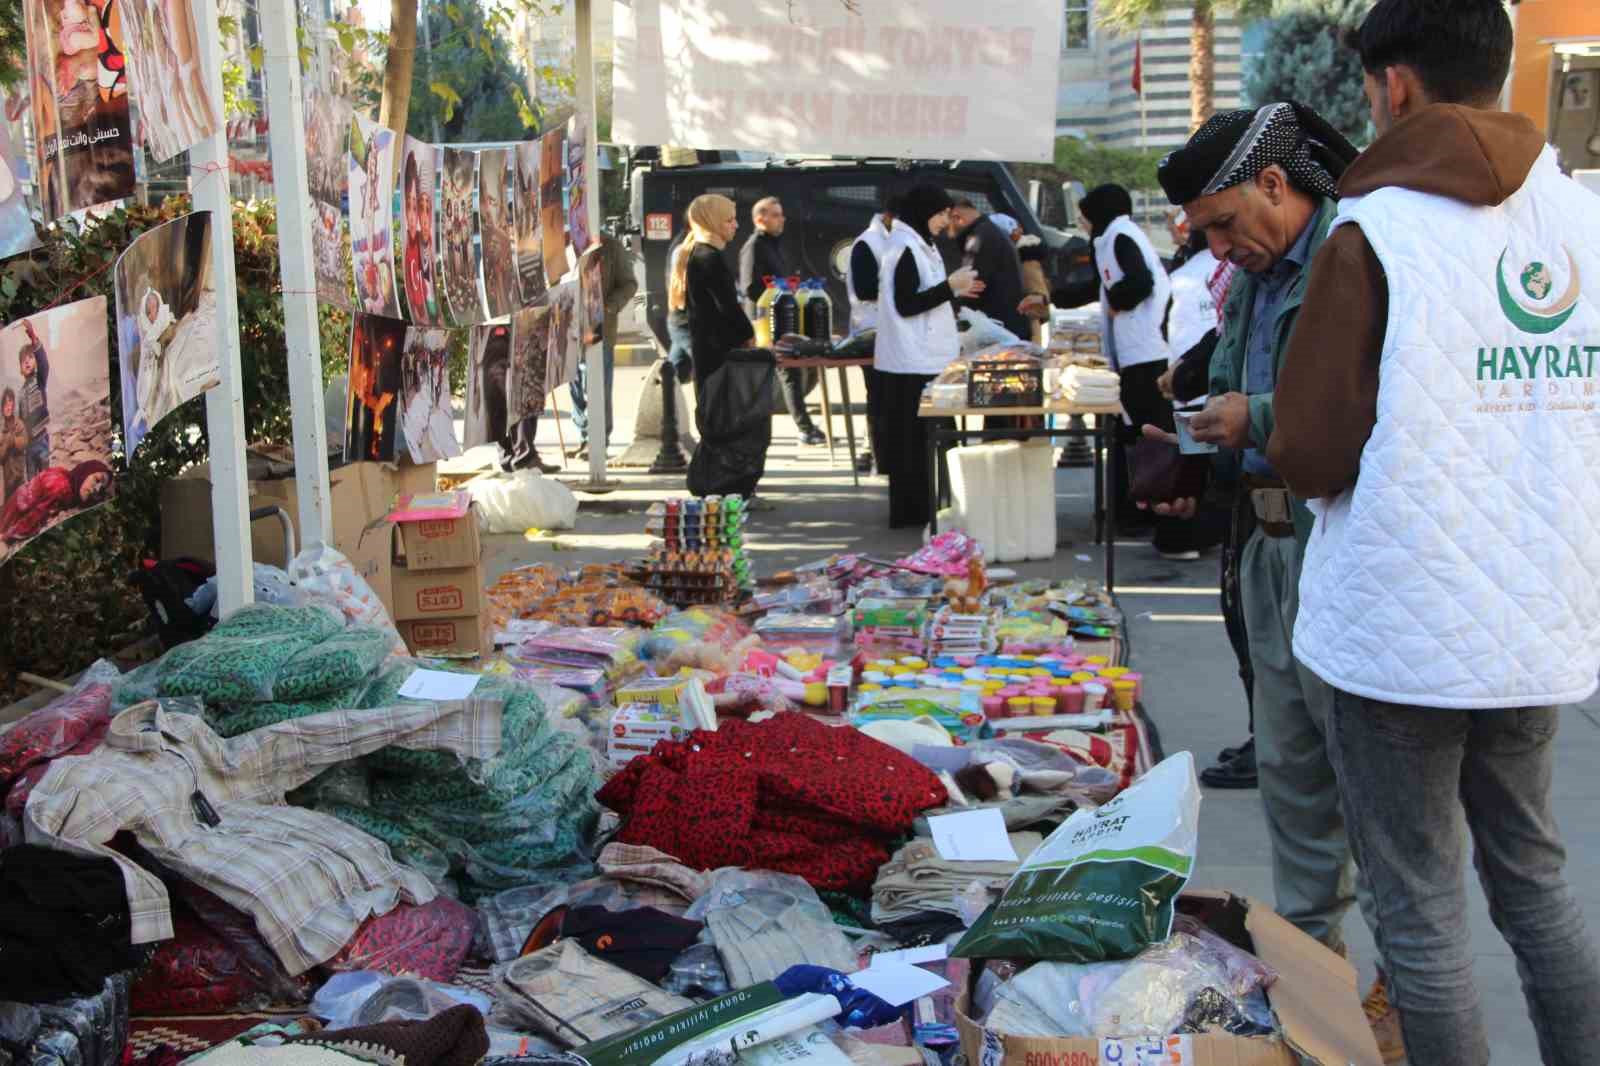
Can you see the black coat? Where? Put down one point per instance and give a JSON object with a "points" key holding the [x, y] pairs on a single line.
{"points": [[717, 322], [992, 254], [760, 258]]}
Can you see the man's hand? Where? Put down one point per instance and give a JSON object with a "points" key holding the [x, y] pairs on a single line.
{"points": [[964, 283], [1224, 422], [1183, 507], [1164, 382], [1036, 307]]}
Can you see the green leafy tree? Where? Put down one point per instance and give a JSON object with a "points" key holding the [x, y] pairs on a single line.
{"points": [[1131, 15], [1305, 59]]}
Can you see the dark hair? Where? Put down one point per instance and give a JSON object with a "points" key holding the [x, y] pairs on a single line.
{"points": [[1460, 49], [963, 201], [9, 394]]}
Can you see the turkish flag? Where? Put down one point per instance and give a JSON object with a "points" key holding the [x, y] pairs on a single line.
{"points": [[1137, 81]]}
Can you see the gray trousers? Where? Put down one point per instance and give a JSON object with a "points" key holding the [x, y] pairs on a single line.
{"points": [[1312, 872]]}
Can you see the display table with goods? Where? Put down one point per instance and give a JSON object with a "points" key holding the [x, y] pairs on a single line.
{"points": [[839, 816]]}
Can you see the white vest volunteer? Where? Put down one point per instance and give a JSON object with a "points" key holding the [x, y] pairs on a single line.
{"points": [[864, 313], [921, 344], [1463, 569], [1194, 310], [1135, 335]]}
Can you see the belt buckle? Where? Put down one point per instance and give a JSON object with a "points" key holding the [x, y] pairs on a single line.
{"points": [[1272, 505]]}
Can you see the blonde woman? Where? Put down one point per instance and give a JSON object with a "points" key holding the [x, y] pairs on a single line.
{"points": [[704, 287]]}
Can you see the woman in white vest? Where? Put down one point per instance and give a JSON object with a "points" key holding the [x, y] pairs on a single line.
{"points": [[1134, 294], [917, 339], [861, 282]]}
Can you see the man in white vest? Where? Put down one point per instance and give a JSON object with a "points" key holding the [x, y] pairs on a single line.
{"points": [[1438, 405]]}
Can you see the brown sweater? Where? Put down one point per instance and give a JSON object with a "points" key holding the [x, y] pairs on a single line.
{"points": [[1326, 400]]}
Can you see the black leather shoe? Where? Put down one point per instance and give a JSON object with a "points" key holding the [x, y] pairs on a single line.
{"points": [[864, 463], [1240, 773], [1230, 754], [812, 436]]}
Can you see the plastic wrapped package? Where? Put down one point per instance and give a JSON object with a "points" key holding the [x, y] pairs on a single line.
{"points": [[59, 725], [1242, 971], [362, 997], [55, 1047], [228, 669], [196, 972], [326, 577], [334, 664], [509, 916], [238, 931], [698, 972], [98, 1025], [312, 622], [10, 828], [236, 719], [19, 1024], [345, 783], [22, 787], [428, 940], [574, 998]]}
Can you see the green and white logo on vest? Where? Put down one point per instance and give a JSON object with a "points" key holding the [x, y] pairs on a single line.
{"points": [[1538, 314]]}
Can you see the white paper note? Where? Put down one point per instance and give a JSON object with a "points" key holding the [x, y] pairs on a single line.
{"points": [[972, 836], [911, 956], [439, 685], [897, 984]]}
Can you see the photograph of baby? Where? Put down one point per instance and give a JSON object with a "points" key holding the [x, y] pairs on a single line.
{"points": [[530, 348], [418, 184], [494, 221], [577, 187], [55, 420], [458, 231], [566, 346], [371, 161], [17, 233], [525, 213], [552, 208], [78, 81], [427, 421], [175, 109], [371, 425], [488, 360], [591, 285], [166, 323]]}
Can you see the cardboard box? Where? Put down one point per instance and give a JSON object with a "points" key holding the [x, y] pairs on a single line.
{"points": [[447, 638], [635, 729], [1314, 997], [437, 593], [360, 495], [441, 543]]}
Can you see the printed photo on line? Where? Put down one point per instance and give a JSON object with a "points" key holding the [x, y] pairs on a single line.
{"points": [[494, 222], [552, 208], [371, 206], [488, 360], [577, 188], [168, 79], [428, 422], [327, 123], [78, 81], [55, 420], [166, 323], [566, 346], [372, 418], [530, 238], [591, 285], [458, 228], [418, 183], [17, 232], [530, 352]]}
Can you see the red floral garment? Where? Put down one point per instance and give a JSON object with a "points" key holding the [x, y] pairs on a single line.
{"points": [[32, 506]]}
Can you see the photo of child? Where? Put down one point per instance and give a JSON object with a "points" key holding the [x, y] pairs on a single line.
{"points": [[418, 180], [55, 410], [371, 160], [488, 360], [494, 221], [577, 187], [458, 230], [566, 347], [327, 123], [371, 425], [552, 208], [175, 109], [429, 427], [83, 136], [530, 348], [166, 323], [591, 284], [525, 216]]}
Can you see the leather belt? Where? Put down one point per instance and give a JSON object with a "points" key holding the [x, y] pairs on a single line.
{"points": [[1272, 505]]}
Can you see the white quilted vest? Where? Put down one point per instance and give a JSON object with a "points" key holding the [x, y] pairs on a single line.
{"points": [[864, 313], [921, 344], [1463, 569], [1136, 335]]}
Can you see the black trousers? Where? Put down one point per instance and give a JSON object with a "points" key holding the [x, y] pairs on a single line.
{"points": [[793, 384], [1239, 529], [903, 447], [1142, 399]]}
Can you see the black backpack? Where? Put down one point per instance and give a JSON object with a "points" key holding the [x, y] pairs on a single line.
{"points": [[165, 584]]}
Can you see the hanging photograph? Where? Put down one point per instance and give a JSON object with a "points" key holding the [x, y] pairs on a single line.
{"points": [[166, 323], [371, 205], [83, 136], [418, 182], [566, 346], [168, 81], [427, 423], [372, 420], [525, 211], [530, 353], [591, 286], [577, 187], [494, 221], [488, 359], [552, 209], [458, 228], [17, 233], [55, 420], [327, 124]]}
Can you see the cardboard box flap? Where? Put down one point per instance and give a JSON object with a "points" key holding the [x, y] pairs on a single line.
{"points": [[1315, 996]]}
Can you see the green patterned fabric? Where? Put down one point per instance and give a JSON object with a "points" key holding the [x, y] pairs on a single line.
{"points": [[269, 620], [333, 665]]}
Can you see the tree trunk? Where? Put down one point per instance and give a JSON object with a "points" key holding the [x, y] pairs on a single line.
{"points": [[396, 106], [1202, 64]]}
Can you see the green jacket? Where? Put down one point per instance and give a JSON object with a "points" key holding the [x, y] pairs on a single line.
{"points": [[1227, 362]]}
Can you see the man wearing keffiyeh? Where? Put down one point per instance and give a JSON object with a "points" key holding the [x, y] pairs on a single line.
{"points": [[1262, 184]]}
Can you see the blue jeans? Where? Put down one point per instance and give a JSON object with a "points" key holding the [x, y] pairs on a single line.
{"points": [[679, 354], [579, 387], [37, 457], [1408, 775]]}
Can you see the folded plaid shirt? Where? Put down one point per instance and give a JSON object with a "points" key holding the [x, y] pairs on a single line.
{"points": [[213, 811]]}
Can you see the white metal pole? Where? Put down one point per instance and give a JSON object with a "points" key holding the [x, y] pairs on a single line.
{"points": [[230, 504], [285, 108], [594, 354]]}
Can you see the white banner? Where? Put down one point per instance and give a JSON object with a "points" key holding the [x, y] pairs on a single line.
{"points": [[935, 79]]}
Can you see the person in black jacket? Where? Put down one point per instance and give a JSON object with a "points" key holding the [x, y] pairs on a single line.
{"points": [[703, 287], [759, 259], [991, 252]]}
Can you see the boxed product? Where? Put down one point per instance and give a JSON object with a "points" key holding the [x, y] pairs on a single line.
{"points": [[685, 697], [447, 638], [438, 531], [636, 728], [456, 593]]}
